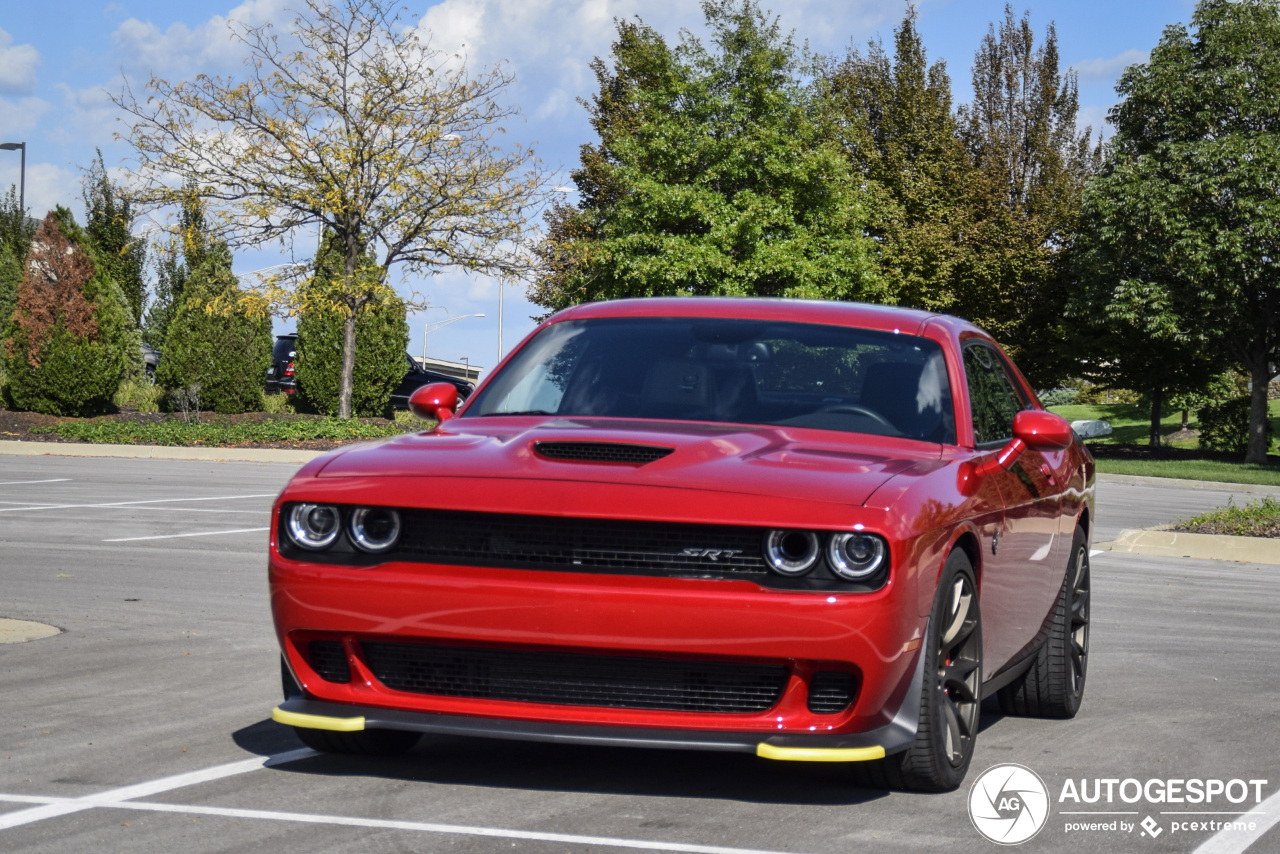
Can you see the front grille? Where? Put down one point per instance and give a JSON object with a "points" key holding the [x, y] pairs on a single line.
{"points": [[831, 691], [329, 659], [546, 542], [601, 452], [576, 679]]}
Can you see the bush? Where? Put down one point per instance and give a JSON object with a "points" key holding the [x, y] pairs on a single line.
{"points": [[1089, 394], [214, 342], [1059, 397], [138, 395], [71, 341], [381, 338], [1224, 425]]}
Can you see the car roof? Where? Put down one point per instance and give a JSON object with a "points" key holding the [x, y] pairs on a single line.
{"points": [[864, 315]]}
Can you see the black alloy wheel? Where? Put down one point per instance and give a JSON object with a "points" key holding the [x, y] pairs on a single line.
{"points": [[1054, 685], [950, 701]]}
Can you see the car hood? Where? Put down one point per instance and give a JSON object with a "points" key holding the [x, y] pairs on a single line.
{"points": [[752, 460]]}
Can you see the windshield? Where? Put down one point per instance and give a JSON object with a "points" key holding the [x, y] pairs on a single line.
{"points": [[735, 371]]}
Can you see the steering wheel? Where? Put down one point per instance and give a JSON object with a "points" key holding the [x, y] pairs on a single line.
{"points": [[855, 409]]}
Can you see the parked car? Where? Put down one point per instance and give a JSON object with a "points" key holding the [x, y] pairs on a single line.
{"points": [[416, 377], [281, 378], [150, 361], [805, 530]]}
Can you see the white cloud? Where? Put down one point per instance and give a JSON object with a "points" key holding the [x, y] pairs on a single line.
{"points": [[47, 185], [1095, 118], [181, 51], [1107, 69], [21, 115], [17, 66]]}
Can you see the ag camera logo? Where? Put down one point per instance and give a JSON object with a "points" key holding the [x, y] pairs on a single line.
{"points": [[1009, 804]]}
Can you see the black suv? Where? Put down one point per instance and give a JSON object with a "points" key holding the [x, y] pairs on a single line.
{"points": [[280, 376]]}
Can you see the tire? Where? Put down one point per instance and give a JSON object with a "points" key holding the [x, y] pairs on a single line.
{"points": [[1054, 686], [950, 701], [369, 742]]}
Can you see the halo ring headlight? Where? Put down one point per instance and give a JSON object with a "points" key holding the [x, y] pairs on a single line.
{"points": [[374, 529], [855, 556], [313, 526], [791, 552]]}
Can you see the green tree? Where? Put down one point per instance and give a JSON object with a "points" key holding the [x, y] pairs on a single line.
{"points": [[382, 334], [714, 174], [355, 124], [1139, 330], [72, 339], [1193, 189], [1030, 168], [176, 255], [894, 118], [224, 351], [16, 231], [109, 227]]}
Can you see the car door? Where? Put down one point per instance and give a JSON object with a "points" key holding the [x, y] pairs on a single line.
{"points": [[1023, 570]]}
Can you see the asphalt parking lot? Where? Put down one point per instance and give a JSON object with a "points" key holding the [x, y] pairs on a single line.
{"points": [[145, 725]]}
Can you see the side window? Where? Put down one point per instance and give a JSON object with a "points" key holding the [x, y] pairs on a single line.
{"points": [[992, 397]]}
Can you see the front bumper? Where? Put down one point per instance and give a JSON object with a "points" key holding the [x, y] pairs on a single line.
{"points": [[893, 737]]}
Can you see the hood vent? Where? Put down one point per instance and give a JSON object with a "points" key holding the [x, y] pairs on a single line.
{"points": [[601, 452]]}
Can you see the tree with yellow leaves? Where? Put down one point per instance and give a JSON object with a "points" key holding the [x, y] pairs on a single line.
{"points": [[360, 128]]}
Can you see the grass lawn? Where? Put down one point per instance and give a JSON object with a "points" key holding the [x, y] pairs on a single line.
{"points": [[1125, 451]]}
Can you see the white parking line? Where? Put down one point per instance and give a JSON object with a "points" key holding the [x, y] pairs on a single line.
{"points": [[19, 482], [195, 534], [1264, 817], [123, 798], [66, 805], [46, 506], [55, 807]]}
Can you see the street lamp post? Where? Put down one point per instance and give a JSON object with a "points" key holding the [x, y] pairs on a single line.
{"points": [[428, 328], [22, 175]]}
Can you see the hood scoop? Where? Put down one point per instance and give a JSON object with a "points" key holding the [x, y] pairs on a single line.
{"points": [[601, 452]]}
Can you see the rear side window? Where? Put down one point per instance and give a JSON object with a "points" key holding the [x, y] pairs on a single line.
{"points": [[992, 397], [283, 350]]}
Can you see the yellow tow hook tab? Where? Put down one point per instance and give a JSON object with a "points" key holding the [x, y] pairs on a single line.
{"points": [[819, 754], [281, 716]]}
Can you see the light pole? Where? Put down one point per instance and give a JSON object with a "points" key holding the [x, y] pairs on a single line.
{"points": [[428, 328], [22, 176], [466, 360]]}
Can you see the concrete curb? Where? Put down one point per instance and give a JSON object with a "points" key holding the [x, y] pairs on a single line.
{"points": [[1178, 483], [1202, 546], [158, 452]]}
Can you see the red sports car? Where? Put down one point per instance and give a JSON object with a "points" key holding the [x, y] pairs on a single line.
{"points": [[811, 531]]}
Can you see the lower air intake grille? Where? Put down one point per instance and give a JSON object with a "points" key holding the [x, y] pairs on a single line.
{"points": [[601, 452], [329, 659], [575, 679], [831, 691]]}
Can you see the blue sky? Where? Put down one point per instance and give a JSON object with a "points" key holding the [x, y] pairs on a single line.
{"points": [[59, 59]]}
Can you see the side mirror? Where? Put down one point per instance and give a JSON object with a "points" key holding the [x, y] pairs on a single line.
{"points": [[434, 401], [1042, 431], [1032, 428]]}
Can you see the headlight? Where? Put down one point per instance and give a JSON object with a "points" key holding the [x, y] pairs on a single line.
{"points": [[791, 552], [313, 526], [374, 529], [855, 556]]}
